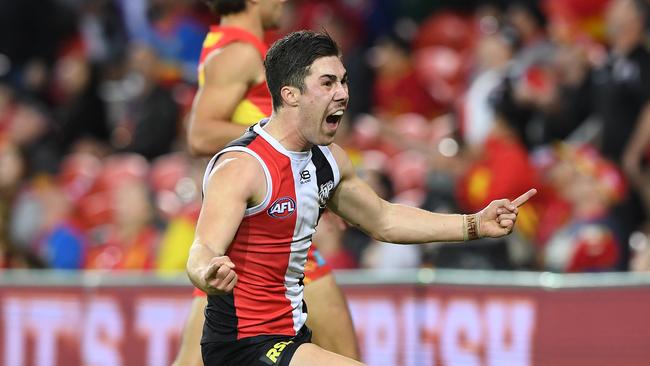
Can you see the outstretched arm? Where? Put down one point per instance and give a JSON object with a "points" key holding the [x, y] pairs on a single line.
{"points": [[358, 204], [228, 76], [236, 182]]}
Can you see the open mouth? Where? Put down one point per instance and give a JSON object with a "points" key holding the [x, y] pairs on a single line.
{"points": [[335, 117]]}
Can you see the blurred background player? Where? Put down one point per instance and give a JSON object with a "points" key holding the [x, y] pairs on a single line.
{"points": [[233, 95]]}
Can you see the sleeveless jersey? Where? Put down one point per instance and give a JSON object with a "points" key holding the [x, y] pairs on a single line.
{"points": [[257, 102], [270, 247]]}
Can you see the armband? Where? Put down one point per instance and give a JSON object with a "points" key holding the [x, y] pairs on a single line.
{"points": [[471, 225]]}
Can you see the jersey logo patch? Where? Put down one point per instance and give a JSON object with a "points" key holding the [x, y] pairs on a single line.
{"points": [[324, 193], [305, 177], [282, 208]]}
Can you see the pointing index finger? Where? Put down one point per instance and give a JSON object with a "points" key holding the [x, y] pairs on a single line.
{"points": [[524, 197]]}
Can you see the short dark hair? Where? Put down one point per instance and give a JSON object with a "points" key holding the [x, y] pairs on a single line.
{"points": [[288, 60], [226, 7]]}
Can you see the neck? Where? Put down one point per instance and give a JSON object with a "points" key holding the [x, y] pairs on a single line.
{"points": [[247, 20], [624, 48], [283, 126]]}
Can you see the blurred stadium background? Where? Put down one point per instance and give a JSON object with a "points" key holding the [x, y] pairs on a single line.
{"points": [[453, 104]]}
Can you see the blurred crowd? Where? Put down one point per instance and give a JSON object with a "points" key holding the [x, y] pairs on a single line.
{"points": [[453, 104]]}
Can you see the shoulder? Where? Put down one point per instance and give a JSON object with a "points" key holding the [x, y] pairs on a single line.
{"points": [[235, 52], [235, 59], [237, 166], [342, 160], [235, 175]]}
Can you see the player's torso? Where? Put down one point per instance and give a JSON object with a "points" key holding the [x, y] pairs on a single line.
{"points": [[270, 247], [257, 103]]}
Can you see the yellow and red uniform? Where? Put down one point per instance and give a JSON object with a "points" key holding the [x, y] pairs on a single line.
{"points": [[257, 102]]}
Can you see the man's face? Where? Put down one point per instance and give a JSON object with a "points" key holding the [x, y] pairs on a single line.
{"points": [[323, 101], [622, 22], [271, 13]]}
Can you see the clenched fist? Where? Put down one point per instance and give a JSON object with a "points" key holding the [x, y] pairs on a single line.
{"points": [[220, 276]]}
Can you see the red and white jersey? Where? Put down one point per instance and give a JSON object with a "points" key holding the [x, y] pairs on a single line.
{"points": [[271, 244]]}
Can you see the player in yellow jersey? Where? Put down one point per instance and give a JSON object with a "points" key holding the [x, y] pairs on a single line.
{"points": [[233, 95]]}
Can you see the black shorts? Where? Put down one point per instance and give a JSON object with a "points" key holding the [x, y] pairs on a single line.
{"points": [[265, 350]]}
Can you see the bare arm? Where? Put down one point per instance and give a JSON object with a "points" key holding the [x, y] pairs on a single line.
{"points": [[358, 204], [223, 208], [228, 76]]}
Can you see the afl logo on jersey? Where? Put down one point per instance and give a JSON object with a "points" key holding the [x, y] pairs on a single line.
{"points": [[282, 208]]}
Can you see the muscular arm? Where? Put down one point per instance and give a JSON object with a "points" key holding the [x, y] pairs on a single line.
{"points": [[236, 182], [358, 204], [228, 76]]}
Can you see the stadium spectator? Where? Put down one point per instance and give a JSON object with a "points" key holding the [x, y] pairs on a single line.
{"points": [[397, 88], [13, 171], [623, 105], [150, 125], [591, 239], [81, 116], [493, 54], [130, 239]]}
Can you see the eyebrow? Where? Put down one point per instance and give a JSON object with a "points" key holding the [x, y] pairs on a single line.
{"points": [[334, 77]]}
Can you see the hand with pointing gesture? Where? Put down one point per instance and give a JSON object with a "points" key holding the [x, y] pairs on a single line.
{"points": [[219, 276], [499, 217]]}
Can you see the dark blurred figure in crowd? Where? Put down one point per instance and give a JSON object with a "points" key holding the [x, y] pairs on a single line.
{"points": [[31, 34], [625, 85], [494, 52], [623, 104], [529, 75], [102, 29], [31, 129], [527, 18], [150, 125], [571, 102], [81, 115]]}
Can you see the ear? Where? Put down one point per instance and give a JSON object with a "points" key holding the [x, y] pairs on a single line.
{"points": [[290, 95]]}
